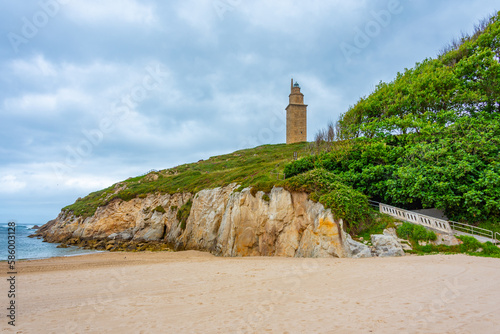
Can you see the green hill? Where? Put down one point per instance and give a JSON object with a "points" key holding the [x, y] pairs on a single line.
{"points": [[246, 167]]}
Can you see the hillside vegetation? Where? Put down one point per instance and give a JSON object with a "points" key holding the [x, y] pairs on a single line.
{"points": [[429, 138], [246, 167]]}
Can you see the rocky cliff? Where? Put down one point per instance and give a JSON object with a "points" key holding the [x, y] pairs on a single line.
{"points": [[223, 221]]}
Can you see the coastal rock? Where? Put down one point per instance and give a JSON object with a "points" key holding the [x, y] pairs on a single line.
{"points": [[391, 231], [358, 249], [446, 239], [386, 245], [223, 221], [405, 244]]}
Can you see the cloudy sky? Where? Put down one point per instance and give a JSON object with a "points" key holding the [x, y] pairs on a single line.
{"points": [[93, 92]]}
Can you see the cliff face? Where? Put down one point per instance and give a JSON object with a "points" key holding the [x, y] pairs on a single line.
{"points": [[221, 221]]}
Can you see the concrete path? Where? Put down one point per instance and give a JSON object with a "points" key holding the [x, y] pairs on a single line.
{"points": [[479, 238]]}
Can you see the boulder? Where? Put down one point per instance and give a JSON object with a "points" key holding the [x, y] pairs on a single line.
{"points": [[405, 244], [391, 231], [358, 249], [446, 239], [386, 245]]}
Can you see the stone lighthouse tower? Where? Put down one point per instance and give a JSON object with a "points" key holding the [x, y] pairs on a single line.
{"points": [[296, 116]]}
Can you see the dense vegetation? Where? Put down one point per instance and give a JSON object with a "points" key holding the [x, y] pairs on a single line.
{"points": [[430, 138]]}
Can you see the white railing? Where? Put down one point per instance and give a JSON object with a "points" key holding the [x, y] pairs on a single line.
{"points": [[416, 218], [450, 227]]}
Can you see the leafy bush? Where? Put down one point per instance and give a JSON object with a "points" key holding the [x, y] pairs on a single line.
{"points": [[299, 166], [419, 233], [427, 249], [415, 232], [490, 249], [345, 202], [436, 249], [126, 195], [470, 244], [349, 205], [316, 180], [405, 231]]}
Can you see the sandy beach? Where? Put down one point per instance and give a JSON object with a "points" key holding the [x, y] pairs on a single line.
{"points": [[194, 292]]}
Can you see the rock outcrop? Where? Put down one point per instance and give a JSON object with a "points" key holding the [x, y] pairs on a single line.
{"points": [[358, 249], [387, 245], [445, 239], [223, 221]]}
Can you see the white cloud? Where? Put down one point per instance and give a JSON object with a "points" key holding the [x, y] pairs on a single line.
{"points": [[92, 89], [45, 105], [35, 66], [292, 16], [31, 104], [10, 184], [200, 15], [42, 178], [88, 182], [129, 11]]}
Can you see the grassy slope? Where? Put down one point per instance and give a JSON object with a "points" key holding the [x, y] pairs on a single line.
{"points": [[250, 167]]}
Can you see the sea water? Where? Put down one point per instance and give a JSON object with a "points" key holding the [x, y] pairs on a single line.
{"points": [[33, 248]]}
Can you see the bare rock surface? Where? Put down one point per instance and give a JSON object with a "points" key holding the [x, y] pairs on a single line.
{"points": [[223, 221], [446, 239], [358, 249], [386, 245]]}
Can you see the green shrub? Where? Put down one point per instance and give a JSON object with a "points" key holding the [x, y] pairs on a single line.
{"points": [[345, 202], [436, 249], [160, 209], [349, 205], [264, 186], [470, 244], [183, 213], [490, 249], [419, 233], [316, 180], [266, 198], [299, 166], [126, 195], [415, 232], [405, 231], [427, 249]]}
